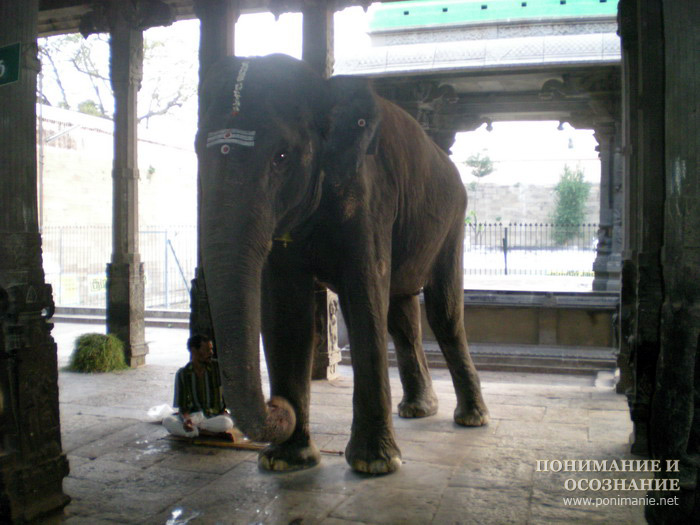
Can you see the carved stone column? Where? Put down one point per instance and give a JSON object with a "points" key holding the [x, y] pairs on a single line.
{"points": [[674, 425], [626, 21], [608, 263], [642, 295], [125, 22], [317, 51], [32, 466], [216, 40], [125, 275], [326, 351]]}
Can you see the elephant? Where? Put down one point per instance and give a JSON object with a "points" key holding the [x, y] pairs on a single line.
{"points": [[308, 180]]}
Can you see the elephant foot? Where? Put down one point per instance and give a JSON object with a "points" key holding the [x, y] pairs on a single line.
{"points": [[476, 415], [286, 457], [378, 466], [383, 459], [425, 406]]}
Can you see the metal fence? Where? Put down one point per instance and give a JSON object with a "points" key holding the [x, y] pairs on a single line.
{"points": [[530, 249], [75, 258], [75, 263]]}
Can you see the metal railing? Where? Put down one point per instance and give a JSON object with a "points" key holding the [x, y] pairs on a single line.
{"points": [[75, 263], [76, 257], [530, 249]]}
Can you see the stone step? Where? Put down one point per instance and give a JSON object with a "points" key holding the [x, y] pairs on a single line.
{"points": [[523, 358], [159, 318], [498, 357]]}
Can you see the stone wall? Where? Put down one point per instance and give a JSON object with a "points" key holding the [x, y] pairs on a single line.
{"points": [[522, 203]]}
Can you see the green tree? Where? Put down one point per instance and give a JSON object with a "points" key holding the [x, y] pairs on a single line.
{"points": [[90, 107], [571, 194], [480, 163], [71, 61]]}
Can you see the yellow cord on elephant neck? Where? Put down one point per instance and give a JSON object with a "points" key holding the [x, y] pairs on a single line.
{"points": [[286, 239]]}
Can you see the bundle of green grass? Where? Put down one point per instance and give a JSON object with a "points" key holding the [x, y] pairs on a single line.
{"points": [[97, 353]]}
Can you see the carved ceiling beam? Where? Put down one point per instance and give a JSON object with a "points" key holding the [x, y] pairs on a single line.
{"points": [[600, 88], [494, 105]]}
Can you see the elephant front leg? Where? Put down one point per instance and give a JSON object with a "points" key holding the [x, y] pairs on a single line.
{"points": [[287, 326], [372, 447]]}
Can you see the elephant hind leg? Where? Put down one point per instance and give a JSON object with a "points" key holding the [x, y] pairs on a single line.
{"points": [[419, 399], [444, 304]]}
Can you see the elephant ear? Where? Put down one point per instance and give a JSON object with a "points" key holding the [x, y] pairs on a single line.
{"points": [[352, 123]]}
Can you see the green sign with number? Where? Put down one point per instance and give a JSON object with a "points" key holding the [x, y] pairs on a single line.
{"points": [[9, 64]]}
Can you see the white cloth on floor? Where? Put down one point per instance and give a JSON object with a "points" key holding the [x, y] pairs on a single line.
{"points": [[175, 425]]}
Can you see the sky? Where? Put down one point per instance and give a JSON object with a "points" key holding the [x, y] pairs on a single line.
{"points": [[531, 152]]}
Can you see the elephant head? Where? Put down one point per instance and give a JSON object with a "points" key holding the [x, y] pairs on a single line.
{"points": [[271, 130]]}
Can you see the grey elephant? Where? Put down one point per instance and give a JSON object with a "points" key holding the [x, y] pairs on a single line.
{"points": [[308, 180]]}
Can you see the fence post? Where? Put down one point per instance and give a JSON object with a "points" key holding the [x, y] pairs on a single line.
{"points": [[165, 270], [505, 249], [60, 266]]}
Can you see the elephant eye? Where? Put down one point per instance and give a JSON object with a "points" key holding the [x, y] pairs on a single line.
{"points": [[280, 160]]}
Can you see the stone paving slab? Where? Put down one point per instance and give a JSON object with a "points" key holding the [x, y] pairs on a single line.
{"points": [[125, 470]]}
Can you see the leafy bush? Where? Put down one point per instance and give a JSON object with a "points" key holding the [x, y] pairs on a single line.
{"points": [[97, 353], [570, 204]]}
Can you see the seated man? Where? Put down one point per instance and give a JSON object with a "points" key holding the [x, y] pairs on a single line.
{"points": [[198, 394]]}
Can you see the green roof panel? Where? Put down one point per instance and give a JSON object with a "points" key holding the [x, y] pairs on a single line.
{"points": [[431, 13]]}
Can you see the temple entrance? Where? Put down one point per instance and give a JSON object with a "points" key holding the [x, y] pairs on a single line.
{"points": [[639, 98]]}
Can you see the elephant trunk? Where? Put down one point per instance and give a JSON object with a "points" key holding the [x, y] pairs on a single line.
{"points": [[233, 258]]}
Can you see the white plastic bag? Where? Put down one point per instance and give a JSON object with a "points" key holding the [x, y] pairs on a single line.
{"points": [[158, 412]]}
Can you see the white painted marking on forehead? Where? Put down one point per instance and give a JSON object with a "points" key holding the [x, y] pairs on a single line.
{"points": [[238, 88], [241, 137]]}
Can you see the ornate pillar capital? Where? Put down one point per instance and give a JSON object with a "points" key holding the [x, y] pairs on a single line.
{"points": [[604, 132], [126, 57], [215, 9], [317, 43], [136, 14]]}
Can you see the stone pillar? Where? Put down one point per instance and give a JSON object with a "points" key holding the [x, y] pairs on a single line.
{"points": [[317, 36], [125, 275], [326, 351], [608, 263], [317, 51], [627, 29], [32, 466], [217, 20], [642, 35], [674, 425], [125, 22]]}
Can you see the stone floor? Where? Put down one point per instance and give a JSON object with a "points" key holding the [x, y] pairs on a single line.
{"points": [[125, 470]]}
